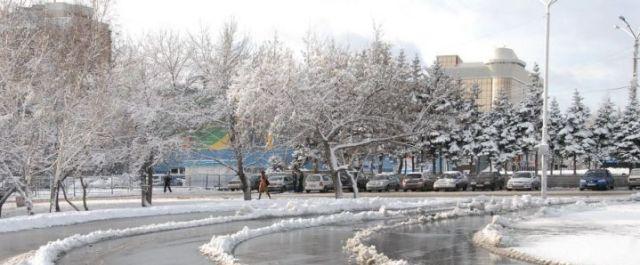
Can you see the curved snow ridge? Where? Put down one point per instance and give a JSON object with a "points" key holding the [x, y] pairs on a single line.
{"points": [[220, 248], [494, 238], [20, 223], [50, 252], [364, 254]]}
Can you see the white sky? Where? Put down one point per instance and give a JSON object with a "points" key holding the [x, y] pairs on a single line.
{"points": [[586, 52]]}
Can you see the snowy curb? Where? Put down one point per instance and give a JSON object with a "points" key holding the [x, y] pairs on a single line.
{"points": [[49, 253], [20, 223], [365, 254], [220, 247]]}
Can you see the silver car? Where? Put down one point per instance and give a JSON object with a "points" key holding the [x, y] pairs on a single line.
{"points": [[523, 180], [634, 178], [317, 182], [280, 182], [386, 182], [451, 180]]}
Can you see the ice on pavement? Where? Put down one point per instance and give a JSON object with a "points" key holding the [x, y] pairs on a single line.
{"points": [[50, 252], [220, 247]]}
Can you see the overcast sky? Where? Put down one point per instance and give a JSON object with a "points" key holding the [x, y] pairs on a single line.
{"points": [[586, 52]]}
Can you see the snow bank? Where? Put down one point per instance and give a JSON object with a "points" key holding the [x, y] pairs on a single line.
{"points": [[606, 232], [220, 247], [20, 223], [50, 252]]}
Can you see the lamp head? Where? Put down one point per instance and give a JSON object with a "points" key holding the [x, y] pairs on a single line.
{"points": [[622, 18]]}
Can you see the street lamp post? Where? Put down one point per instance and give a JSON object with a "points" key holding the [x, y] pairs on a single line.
{"points": [[544, 140], [636, 41]]}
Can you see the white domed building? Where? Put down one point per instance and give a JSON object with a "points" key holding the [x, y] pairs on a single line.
{"points": [[504, 73]]}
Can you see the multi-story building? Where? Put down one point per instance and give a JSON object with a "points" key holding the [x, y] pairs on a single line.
{"points": [[505, 73]]}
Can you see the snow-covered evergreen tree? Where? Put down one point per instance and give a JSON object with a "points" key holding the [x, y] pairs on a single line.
{"points": [[603, 130], [556, 123], [498, 137], [628, 135], [470, 129], [575, 134], [528, 122]]}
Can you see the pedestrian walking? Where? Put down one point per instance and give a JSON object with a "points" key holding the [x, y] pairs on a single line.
{"points": [[264, 185], [167, 182]]}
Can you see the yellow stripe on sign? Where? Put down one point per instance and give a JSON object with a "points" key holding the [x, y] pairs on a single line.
{"points": [[223, 143]]}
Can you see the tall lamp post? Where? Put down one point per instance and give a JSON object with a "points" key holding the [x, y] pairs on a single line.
{"points": [[544, 141], [636, 41]]}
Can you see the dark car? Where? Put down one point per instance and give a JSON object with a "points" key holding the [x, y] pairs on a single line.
{"points": [[488, 180], [345, 180], [597, 179]]}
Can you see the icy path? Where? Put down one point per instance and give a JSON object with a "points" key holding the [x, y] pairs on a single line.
{"points": [[591, 234], [49, 253]]}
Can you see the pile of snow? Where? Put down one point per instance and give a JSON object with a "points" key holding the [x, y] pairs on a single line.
{"points": [[318, 206], [494, 233], [220, 247]]}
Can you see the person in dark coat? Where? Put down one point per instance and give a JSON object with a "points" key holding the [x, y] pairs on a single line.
{"points": [[167, 182], [264, 185]]}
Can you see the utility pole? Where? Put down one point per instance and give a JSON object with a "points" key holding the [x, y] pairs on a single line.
{"points": [[544, 140], [636, 41]]}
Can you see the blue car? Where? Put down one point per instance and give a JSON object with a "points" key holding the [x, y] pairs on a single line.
{"points": [[599, 179]]}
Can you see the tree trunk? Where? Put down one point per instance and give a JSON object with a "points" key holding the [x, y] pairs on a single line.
{"points": [[5, 197], [149, 172], [552, 164], [413, 163], [440, 160], [471, 168], [381, 164], [575, 159], [535, 166], [64, 193], [84, 193], [400, 164], [561, 162]]}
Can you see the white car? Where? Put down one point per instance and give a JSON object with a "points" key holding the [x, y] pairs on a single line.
{"points": [[634, 178], [383, 182], [451, 180], [523, 180], [316, 182]]}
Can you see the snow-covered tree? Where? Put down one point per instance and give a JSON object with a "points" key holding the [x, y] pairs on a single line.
{"points": [[556, 124], [602, 132], [627, 137], [470, 130], [528, 116], [498, 139], [575, 134]]}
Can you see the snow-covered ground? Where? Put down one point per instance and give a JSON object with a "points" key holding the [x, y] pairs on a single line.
{"points": [[590, 234]]}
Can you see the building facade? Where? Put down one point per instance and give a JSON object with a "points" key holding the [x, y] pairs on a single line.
{"points": [[504, 73]]}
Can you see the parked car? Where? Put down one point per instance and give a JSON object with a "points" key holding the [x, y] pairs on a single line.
{"points": [[599, 179], [451, 180], [280, 182], [488, 180], [523, 180], [236, 184], [384, 181], [634, 178], [345, 179], [418, 181], [318, 182]]}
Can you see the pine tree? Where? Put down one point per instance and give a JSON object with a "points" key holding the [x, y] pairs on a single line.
{"points": [[628, 136], [471, 129], [528, 116], [603, 130], [575, 134], [556, 123], [498, 139]]}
